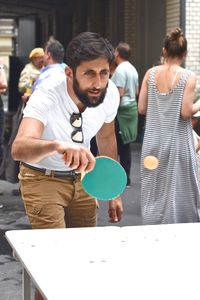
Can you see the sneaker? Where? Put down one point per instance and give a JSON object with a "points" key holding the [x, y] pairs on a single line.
{"points": [[128, 185]]}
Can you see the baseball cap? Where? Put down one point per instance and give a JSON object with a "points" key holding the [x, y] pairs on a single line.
{"points": [[36, 52]]}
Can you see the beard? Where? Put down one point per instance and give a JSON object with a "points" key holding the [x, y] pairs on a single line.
{"points": [[86, 100]]}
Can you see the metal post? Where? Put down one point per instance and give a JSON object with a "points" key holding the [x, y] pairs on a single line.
{"points": [[26, 281]]}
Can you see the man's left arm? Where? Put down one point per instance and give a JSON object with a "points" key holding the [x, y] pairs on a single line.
{"points": [[107, 145]]}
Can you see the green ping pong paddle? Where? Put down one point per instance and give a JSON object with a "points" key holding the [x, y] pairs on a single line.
{"points": [[106, 181]]}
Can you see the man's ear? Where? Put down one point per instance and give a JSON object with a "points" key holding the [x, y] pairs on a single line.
{"points": [[49, 55], [69, 73]]}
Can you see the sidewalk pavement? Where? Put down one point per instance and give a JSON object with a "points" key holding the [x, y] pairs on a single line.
{"points": [[12, 216]]}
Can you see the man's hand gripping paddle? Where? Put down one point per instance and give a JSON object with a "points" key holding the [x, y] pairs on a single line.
{"points": [[106, 181]]}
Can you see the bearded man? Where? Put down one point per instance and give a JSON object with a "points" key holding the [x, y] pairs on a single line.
{"points": [[53, 141]]}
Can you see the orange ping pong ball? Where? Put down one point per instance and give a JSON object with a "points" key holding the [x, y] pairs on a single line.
{"points": [[151, 162]]}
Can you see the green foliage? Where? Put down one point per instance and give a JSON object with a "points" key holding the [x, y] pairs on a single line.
{"points": [[197, 96]]}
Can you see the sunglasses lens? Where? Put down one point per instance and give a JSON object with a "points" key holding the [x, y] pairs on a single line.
{"points": [[76, 120], [77, 136]]}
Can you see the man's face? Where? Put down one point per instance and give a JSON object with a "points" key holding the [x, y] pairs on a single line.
{"points": [[90, 81]]}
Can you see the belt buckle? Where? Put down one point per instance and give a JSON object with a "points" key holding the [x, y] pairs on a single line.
{"points": [[48, 172]]}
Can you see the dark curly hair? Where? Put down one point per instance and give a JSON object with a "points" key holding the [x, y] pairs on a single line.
{"points": [[88, 46]]}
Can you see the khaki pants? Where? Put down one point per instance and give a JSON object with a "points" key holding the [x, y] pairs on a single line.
{"points": [[52, 202]]}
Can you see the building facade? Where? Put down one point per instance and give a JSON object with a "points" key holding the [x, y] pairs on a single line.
{"points": [[192, 30], [142, 23]]}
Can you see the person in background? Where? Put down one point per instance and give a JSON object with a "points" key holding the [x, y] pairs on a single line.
{"points": [[125, 76], [54, 137], [30, 73], [27, 78], [170, 193], [3, 78], [3, 88], [52, 60]]}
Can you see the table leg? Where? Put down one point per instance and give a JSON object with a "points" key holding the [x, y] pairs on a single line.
{"points": [[26, 281]]}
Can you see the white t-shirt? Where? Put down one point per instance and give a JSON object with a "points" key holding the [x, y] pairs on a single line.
{"points": [[51, 104], [126, 77]]}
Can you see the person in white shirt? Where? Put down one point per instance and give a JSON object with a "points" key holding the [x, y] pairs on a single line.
{"points": [[125, 76], [46, 133], [54, 150]]}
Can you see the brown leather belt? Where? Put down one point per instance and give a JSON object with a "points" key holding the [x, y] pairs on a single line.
{"points": [[58, 174]]}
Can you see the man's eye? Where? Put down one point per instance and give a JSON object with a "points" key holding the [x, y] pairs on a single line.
{"points": [[105, 72], [89, 73]]}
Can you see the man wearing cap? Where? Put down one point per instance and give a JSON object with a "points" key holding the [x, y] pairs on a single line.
{"points": [[31, 71]]}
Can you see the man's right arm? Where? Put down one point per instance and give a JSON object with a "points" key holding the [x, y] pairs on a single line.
{"points": [[143, 96], [29, 147]]}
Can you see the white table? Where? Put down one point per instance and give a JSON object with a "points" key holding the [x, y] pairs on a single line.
{"points": [[160, 262]]}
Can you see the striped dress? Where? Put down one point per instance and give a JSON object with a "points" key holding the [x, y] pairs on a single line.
{"points": [[170, 193]]}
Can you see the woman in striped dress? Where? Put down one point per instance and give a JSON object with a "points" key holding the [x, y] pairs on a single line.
{"points": [[170, 192]]}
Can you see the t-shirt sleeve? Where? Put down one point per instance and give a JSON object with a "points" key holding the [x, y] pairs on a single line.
{"points": [[119, 78], [111, 102], [39, 105]]}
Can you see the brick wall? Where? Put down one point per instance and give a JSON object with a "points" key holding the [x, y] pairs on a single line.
{"points": [[192, 27], [130, 25], [172, 14]]}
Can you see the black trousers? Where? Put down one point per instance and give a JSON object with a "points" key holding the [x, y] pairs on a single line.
{"points": [[124, 151]]}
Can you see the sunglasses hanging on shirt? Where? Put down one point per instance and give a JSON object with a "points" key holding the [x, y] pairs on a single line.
{"points": [[76, 121]]}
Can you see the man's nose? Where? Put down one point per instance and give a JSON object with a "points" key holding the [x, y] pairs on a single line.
{"points": [[97, 81]]}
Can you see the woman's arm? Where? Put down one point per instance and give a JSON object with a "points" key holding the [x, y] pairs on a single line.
{"points": [[143, 95]]}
